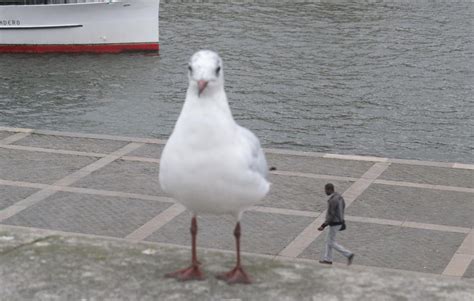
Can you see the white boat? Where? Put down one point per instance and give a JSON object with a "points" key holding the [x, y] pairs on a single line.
{"points": [[40, 26]]}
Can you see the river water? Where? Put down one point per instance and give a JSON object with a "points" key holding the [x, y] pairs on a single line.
{"points": [[392, 79]]}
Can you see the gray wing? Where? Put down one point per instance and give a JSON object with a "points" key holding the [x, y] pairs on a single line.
{"points": [[255, 156]]}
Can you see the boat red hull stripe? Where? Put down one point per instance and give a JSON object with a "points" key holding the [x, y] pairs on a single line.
{"points": [[95, 48]]}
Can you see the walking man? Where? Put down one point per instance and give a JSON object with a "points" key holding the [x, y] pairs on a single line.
{"points": [[335, 221]]}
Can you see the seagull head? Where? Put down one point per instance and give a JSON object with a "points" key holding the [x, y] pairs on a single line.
{"points": [[205, 72]]}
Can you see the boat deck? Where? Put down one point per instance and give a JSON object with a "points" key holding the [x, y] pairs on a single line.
{"points": [[402, 214]]}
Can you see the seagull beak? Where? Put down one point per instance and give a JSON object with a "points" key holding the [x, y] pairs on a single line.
{"points": [[202, 84]]}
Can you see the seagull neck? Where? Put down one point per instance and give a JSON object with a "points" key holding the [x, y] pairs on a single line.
{"points": [[217, 101]]}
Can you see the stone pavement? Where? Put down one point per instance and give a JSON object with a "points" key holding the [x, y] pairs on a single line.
{"points": [[46, 265], [402, 214]]}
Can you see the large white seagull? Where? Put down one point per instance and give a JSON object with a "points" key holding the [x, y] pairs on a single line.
{"points": [[210, 164]]}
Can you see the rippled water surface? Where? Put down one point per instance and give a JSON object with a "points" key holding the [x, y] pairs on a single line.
{"points": [[387, 79]]}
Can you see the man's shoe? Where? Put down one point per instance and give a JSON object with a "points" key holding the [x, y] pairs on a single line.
{"points": [[325, 262], [349, 259]]}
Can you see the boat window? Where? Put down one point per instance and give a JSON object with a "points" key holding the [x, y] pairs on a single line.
{"points": [[38, 2]]}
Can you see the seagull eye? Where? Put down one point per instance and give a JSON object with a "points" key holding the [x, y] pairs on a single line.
{"points": [[217, 70], [190, 69]]}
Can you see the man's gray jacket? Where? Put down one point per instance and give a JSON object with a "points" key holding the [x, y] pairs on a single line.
{"points": [[335, 213]]}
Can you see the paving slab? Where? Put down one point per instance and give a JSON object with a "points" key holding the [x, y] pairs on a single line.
{"points": [[393, 247], [420, 205], [43, 266], [125, 176], [19, 165], [9, 195], [4, 135], [429, 175], [261, 232], [299, 193], [315, 165], [69, 143], [469, 273], [100, 215], [148, 151]]}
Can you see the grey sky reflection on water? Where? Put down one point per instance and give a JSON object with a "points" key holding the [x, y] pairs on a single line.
{"points": [[386, 79]]}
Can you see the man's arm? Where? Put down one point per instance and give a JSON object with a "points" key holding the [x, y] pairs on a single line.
{"points": [[323, 225], [330, 214]]}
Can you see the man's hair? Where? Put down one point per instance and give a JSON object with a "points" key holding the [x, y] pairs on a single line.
{"points": [[329, 186]]}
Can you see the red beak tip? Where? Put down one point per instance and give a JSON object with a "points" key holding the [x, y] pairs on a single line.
{"points": [[202, 84]]}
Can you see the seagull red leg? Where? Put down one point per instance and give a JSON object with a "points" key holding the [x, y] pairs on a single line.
{"points": [[237, 274], [193, 272]]}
